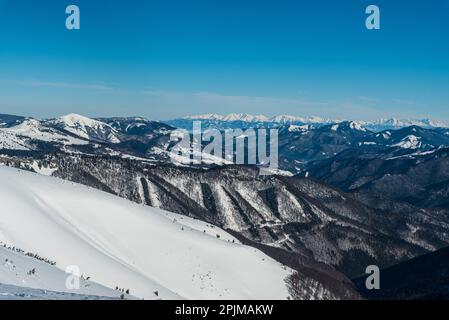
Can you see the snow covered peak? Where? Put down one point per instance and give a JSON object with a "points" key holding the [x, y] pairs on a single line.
{"points": [[434, 123], [73, 119], [287, 119], [314, 119], [259, 118], [86, 128], [356, 126], [351, 125], [209, 116], [376, 125], [28, 124], [22, 135], [292, 119], [409, 142], [302, 128], [394, 123], [245, 117], [230, 117]]}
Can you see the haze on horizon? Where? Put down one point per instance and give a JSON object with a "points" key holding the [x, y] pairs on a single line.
{"points": [[166, 60]]}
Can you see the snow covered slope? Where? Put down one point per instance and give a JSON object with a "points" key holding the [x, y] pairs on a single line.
{"points": [[29, 132], [36, 130], [9, 292], [154, 253], [20, 270], [86, 128], [11, 141]]}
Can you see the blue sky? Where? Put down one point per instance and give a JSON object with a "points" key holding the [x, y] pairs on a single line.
{"points": [[169, 58]]}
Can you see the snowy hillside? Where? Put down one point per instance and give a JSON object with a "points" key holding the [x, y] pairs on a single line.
{"points": [[156, 254], [36, 130], [11, 141], [26, 134], [86, 128], [20, 270], [9, 292]]}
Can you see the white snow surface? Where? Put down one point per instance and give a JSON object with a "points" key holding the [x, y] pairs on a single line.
{"points": [[34, 129], [19, 137], [16, 270], [120, 243], [11, 141], [409, 142], [83, 127]]}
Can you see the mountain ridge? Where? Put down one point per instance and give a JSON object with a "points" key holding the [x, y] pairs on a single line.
{"points": [[375, 125]]}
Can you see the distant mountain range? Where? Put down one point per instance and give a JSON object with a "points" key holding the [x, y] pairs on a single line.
{"points": [[300, 146], [242, 120], [258, 118]]}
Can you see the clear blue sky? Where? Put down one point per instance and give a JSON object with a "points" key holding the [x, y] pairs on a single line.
{"points": [[168, 58]]}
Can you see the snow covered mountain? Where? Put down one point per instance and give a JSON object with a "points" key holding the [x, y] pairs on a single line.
{"points": [[86, 128], [246, 121], [259, 118], [230, 117], [39, 131], [393, 123], [31, 134], [124, 137], [154, 253], [137, 126]]}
